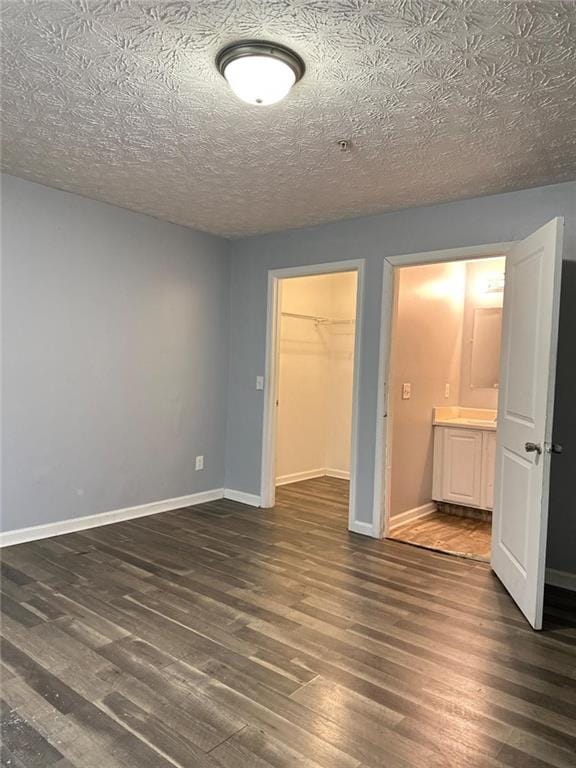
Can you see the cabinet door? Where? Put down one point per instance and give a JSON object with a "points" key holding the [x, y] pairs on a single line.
{"points": [[462, 470], [488, 469]]}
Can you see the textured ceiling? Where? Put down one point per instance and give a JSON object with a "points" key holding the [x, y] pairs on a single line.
{"points": [[119, 100]]}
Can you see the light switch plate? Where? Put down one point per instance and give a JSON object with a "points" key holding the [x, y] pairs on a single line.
{"points": [[259, 382], [406, 391]]}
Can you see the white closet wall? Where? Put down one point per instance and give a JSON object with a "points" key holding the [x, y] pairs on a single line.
{"points": [[303, 379], [315, 377], [341, 375]]}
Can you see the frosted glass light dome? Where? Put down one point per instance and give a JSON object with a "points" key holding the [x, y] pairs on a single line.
{"points": [[260, 73]]}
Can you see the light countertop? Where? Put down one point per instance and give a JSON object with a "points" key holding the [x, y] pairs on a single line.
{"points": [[465, 418]]}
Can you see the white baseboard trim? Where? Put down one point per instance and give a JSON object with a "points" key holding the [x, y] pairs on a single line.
{"points": [[296, 477], [563, 579], [412, 514], [365, 529], [343, 474], [310, 474], [34, 532], [244, 498]]}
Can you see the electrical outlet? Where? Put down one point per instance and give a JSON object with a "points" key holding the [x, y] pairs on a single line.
{"points": [[199, 463], [447, 390], [259, 382], [406, 391]]}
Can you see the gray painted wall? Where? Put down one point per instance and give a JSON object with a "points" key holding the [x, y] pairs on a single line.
{"points": [[469, 222], [562, 520], [115, 346], [114, 358]]}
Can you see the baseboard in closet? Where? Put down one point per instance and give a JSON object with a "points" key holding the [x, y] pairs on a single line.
{"points": [[297, 477], [310, 474], [412, 514], [343, 474]]}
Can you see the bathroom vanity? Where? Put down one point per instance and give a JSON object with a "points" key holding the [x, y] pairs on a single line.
{"points": [[464, 456]]}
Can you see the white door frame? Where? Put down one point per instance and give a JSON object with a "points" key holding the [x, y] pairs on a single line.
{"points": [[381, 511], [268, 472]]}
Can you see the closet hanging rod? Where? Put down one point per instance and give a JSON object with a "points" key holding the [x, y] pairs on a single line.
{"points": [[317, 319]]}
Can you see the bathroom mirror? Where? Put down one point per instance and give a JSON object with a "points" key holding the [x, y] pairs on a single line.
{"points": [[485, 358]]}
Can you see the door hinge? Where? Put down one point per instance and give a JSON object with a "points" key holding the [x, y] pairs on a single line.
{"points": [[553, 448]]}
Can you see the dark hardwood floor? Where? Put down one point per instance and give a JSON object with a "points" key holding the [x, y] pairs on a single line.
{"points": [[223, 635]]}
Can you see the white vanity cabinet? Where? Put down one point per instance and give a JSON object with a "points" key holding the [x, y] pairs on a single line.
{"points": [[464, 462]]}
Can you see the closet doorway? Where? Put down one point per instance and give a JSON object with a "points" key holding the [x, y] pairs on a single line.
{"points": [[310, 411]]}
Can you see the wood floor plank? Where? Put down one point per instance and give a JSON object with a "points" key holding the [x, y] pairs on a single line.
{"points": [[223, 635], [254, 748], [24, 742], [156, 732]]}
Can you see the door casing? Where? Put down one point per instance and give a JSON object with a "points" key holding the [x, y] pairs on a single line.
{"points": [[269, 429], [382, 464]]}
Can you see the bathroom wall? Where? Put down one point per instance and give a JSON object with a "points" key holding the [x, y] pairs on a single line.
{"points": [[477, 274], [315, 377], [426, 353]]}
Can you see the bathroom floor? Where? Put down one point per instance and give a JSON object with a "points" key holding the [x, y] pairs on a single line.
{"points": [[456, 535]]}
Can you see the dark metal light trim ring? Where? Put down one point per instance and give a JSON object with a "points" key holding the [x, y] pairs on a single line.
{"points": [[260, 48]]}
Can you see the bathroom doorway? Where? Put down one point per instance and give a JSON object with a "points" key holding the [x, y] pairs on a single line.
{"points": [[442, 404], [524, 444]]}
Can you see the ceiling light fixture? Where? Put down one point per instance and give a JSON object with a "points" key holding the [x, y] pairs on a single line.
{"points": [[258, 72]]}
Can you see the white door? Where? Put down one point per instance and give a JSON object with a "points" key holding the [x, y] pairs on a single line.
{"points": [[462, 462], [525, 407]]}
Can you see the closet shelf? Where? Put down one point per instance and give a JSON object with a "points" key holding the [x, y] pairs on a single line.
{"points": [[320, 320]]}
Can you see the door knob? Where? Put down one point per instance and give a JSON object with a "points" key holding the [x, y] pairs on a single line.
{"points": [[533, 448]]}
